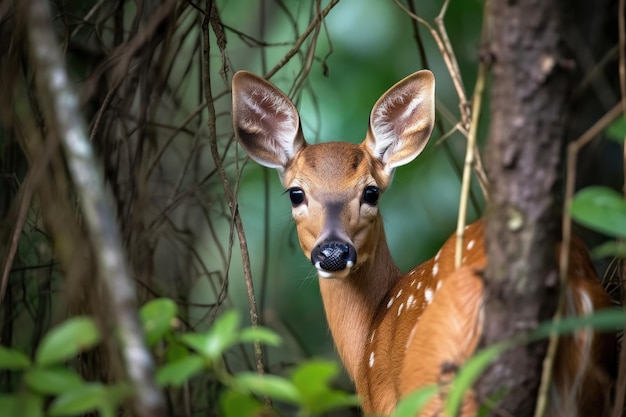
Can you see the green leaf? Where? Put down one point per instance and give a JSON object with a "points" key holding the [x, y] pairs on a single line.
{"points": [[90, 397], [115, 395], [276, 387], [52, 381], [222, 335], [79, 401], [602, 209], [27, 404], [412, 404], [332, 400], [8, 405], [262, 334], [67, 340], [176, 351], [616, 248], [313, 379], [603, 320], [469, 373], [617, 130], [13, 359], [176, 373], [157, 317], [237, 404]]}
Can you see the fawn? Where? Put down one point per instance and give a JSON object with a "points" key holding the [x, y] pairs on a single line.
{"points": [[395, 331]]}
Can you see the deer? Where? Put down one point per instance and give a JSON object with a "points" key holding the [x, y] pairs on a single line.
{"points": [[395, 332]]}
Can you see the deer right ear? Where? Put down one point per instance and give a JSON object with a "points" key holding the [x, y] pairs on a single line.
{"points": [[402, 120], [265, 121]]}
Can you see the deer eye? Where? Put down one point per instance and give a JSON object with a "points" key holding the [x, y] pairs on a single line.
{"points": [[371, 194], [296, 195]]}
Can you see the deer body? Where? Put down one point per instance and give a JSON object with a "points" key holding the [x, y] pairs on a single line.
{"points": [[394, 332]]}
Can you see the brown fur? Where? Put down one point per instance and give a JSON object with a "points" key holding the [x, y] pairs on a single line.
{"points": [[396, 333]]}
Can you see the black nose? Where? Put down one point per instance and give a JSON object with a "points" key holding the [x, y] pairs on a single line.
{"points": [[333, 256]]}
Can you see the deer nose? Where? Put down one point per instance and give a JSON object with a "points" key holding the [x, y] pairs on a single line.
{"points": [[333, 256]]}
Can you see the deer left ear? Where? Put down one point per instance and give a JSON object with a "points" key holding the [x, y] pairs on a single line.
{"points": [[265, 121], [402, 120]]}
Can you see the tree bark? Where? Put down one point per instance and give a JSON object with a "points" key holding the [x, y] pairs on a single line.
{"points": [[523, 155]]}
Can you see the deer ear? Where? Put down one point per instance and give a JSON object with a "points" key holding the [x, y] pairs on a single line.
{"points": [[265, 121], [402, 120]]}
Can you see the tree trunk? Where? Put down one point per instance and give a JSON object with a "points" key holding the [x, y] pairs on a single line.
{"points": [[523, 156]]}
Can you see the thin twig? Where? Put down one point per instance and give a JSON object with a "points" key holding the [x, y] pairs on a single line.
{"points": [[448, 56], [230, 197], [296, 47], [468, 120], [63, 118], [470, 157]]}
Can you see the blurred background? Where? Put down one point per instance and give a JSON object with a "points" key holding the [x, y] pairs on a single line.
{"points": [[137, 66]]}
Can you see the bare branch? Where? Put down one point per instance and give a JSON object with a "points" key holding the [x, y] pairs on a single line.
{"points": [[63, 116]]}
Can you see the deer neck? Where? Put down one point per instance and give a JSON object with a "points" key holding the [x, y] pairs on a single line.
{"points": [[351, 303]]}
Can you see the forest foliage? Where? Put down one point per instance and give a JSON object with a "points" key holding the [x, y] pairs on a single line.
{"points": [[206, 240]]}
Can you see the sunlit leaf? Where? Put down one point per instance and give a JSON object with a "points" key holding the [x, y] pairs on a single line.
{"points": [[276, 387], [157, 317], [262, 334], [222, 335], [602, 209], [410, 405], [312, 378], [52, 380], [176, 373], [79, 401], [67, 340], [13, 359]]}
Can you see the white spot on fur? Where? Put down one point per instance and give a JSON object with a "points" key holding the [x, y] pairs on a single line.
{"points": [[372, 336], [438, 255], [419, 285], [371, 361], [435, 269], [400, 308], [399, 293], [390, 302], [438, 287], [470, 244], [428, 295], [410, 339], [410, 302]]}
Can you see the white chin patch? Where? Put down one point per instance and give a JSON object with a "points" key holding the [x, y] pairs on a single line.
{"points": [[333, 274]]}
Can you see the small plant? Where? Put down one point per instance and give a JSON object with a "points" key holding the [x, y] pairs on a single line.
{"points": [[48, 378], [50, 388], [191, 353]]}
